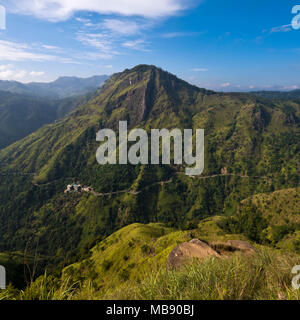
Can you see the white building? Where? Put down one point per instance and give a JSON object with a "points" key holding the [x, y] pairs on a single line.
{"points": [[73, 188]]}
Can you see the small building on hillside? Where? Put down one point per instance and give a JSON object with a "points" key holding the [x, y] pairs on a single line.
{"points": [[224, 171], [74, 187]]}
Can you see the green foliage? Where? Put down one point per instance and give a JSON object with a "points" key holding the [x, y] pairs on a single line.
{"points": [[263, 277], [20, 115], [268, 218], [250, 222], [257, 141]]}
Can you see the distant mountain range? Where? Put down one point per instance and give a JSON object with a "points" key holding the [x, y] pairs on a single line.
{"points": [[63, 87], [22, 114], [25, 108], [252, 145], [249, 188], [278, 95]]}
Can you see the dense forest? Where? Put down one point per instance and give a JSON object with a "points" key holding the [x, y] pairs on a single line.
{"points": [[252, 147]]}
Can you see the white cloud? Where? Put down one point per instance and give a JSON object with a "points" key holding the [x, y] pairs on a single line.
{"points": [[123, 27], [5, 67], [93, 55], [170, 35], [59, 10], [102, 42], [138, 44], [52, 48], [37, 73], [85, 22], [225, 85], [96, 40], [9, 72], [110, 34], [284, 28], [294, 87], [6, 74], [13, 51], [199, 69]]}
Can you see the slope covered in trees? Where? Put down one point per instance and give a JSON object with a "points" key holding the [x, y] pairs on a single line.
{"points": [[21, 115], [254, 142]]}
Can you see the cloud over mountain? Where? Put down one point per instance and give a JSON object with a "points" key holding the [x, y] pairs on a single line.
{"points": [[54, 10]]}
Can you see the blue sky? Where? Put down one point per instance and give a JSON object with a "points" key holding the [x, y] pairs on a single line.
{"points": [[221, 45]]}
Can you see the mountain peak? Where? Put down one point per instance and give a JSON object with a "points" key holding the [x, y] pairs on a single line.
{"points": [[144, 92], [145, 69]]}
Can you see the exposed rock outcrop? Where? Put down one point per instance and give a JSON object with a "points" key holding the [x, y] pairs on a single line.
{"points": [[196, 249], [243, 246], [188, 250]]}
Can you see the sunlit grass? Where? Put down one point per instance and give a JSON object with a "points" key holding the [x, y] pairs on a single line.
{"points": [[264, 276]]}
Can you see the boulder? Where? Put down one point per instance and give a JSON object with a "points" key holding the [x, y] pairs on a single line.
{"points": [[243, 246], [187, 251], [197, 249]]}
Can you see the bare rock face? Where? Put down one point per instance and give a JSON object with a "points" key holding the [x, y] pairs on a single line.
{"points": [[226, 249], [243, 246], [195, 249]]}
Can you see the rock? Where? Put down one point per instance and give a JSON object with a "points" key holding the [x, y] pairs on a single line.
{"points": [[231, 246], [197, 249], [243, 246], [185, 252]]}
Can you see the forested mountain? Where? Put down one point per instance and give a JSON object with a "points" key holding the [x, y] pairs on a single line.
{"points": [[63, 87], [251, 146], [22, 114]]}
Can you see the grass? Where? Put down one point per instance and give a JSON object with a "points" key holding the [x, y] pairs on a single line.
{"points": [[132, 252], [131, 264], [265, 276], [126, 254]]}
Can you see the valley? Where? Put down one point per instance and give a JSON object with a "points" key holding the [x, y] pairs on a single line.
{"points": [[133, 216]]}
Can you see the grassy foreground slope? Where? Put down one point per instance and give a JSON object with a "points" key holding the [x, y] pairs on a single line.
{"points": [[133, 251], [256, 142], [131, 264]]}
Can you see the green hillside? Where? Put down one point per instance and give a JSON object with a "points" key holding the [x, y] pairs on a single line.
{"points": [[272, 219], [133, 251], [21, 114], [132, 264], [252, 146]]}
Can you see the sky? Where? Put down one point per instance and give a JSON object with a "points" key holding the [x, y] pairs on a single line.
{"points": [[221, 45]]}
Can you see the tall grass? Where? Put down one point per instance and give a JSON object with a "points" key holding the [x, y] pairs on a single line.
{"points": [[266, 276], [263, 276], [44, 288]]}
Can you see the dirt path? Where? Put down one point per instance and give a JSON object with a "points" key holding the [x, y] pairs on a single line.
{"points": [[170, 180], [97, 194], [224, 175], [51, 182], [17, 174], [100, 194]]}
